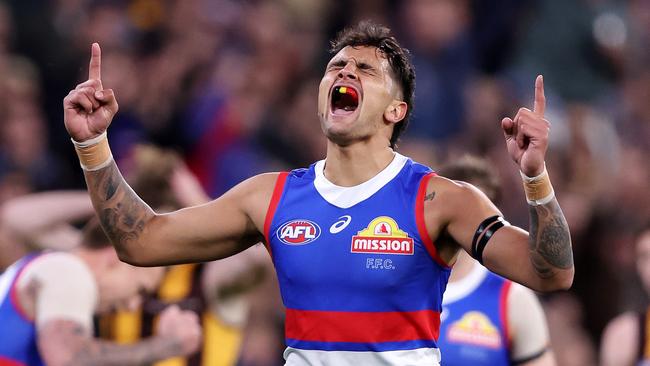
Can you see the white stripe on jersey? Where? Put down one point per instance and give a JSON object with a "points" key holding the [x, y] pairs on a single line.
{"points": [[7, 278], [411, 357]]}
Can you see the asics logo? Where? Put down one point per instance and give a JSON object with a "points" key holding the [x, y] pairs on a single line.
{"points": [[338, 226]]}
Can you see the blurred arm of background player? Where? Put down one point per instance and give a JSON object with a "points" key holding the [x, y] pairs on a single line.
{"points": [[530, 337], [42, 220], [527, 324]]}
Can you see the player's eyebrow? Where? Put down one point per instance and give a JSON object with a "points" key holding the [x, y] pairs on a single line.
{"points": [[365, 66], [341, 62], [338, 62]]}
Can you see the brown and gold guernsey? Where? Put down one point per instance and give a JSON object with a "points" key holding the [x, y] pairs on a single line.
{"points": [[181, 285]]}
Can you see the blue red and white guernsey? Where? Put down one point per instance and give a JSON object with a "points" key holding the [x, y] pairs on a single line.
{"points": [[359, 276], [17, 330], [474, 329]]}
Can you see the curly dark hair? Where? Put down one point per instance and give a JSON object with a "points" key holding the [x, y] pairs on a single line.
{"points": [[367, 33]]}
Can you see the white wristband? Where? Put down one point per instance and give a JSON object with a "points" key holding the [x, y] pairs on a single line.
{"points": [[90, 142], [94, 154], [539, 190]]}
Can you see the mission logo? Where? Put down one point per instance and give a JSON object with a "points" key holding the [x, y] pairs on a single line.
{"points": [[474, 328], [298, 232], [382, 236]]}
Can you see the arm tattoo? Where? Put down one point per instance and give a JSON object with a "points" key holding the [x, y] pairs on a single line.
{"points": [[122, 213], [430, 196], [103, 353], [72, 345], [549, 239]]}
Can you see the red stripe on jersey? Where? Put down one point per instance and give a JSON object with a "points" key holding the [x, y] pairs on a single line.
{"points": [[13, 294], [421, 223], [273, 205], [7, 362], [362, 327], [503, 311]]}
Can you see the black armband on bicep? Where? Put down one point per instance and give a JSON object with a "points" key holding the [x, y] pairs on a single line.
{"points": [[483, 233]]}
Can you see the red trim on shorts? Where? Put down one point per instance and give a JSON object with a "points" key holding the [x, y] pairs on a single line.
{"points": [[361, 327], [13, 294], [273, 205], [9, 362], [503, 311], [422, 226]]}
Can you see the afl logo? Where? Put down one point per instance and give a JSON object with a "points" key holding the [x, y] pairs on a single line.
{"points": [[298, 232]]}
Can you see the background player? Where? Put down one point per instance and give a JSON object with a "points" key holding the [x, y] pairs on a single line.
{"points": [[486, 319], [47, 302], [364, 100], [626, 340]]}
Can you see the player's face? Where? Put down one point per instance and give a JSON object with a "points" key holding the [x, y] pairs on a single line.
{"points": [[355, 93], [643, 259], [120, 285]]}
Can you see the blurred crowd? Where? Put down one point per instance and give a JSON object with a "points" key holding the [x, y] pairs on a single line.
{"points": [[231, 87]]}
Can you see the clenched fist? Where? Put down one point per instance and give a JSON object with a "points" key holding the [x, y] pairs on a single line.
{"points": [[527, 134], [89, 108], [183, 327]]}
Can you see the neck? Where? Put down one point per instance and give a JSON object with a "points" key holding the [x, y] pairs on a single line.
{"points": [[354, 164], [463, 266]]}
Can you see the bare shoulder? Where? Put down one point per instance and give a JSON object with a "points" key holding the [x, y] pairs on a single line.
{"points": [[261, 185], [55, 265], [252, 196], [454, 197], [256, 190]]}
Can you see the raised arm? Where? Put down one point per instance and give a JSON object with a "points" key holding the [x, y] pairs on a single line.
{"points": [[44, 219], [215, 230], [541, 259]]}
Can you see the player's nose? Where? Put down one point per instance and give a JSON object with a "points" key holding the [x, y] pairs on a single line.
{"points": [[349, 71]]}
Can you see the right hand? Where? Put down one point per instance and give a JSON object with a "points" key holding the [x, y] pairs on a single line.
{"points": [[89, 109], [182, 326]]}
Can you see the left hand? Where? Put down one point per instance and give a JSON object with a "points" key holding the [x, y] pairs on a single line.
{"points": [[527, 135]]}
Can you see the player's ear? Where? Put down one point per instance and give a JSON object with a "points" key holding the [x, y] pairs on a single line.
{"points": [[396, 111]]}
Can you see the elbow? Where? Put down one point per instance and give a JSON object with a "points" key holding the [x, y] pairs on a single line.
{"points": [[133, 258], [131, 253], [560, 281], [127, 257]]}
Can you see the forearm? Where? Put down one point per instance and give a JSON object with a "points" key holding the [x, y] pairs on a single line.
{"points": [[33, 214], [68, 343], [550, 244], [122, 214], [97, 352]]}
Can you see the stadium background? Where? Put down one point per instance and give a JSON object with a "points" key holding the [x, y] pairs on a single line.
{"points": [[232, 86]]}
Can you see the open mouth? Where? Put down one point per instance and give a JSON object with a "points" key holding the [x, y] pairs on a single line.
{"points": [[344, 99]]}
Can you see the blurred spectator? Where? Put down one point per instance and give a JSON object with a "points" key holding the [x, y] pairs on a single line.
{"points": [[439, 38], [625, 340]]}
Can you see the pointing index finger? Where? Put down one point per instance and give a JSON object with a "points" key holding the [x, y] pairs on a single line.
{"points": [[540, 100], [94, 70]]}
